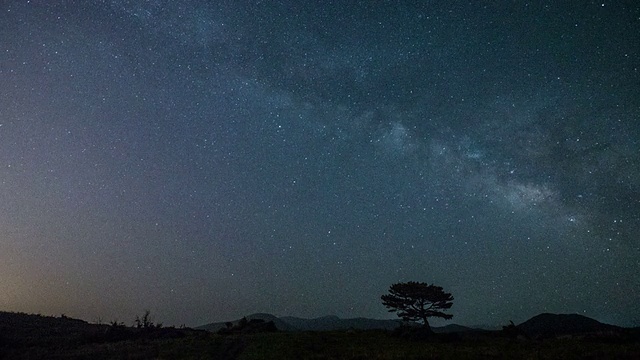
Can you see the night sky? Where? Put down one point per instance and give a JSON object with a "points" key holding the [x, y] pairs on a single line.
{"points": [[207, 160]]}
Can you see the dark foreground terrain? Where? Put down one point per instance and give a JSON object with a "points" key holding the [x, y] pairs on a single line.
{"points": [[38, 337]]}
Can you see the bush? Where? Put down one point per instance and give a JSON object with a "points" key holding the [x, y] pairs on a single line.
{"points": [[245, 326]]}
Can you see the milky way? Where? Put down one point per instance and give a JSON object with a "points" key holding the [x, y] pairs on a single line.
{"points": [[209, 160]]}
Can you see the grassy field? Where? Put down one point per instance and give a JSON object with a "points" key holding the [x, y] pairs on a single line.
{"points": [[329, 345], [379, 345]]}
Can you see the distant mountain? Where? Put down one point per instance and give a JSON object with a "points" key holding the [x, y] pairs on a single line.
{"points": [[328, 323], [331, 323], [553, 325], [280, 324]]}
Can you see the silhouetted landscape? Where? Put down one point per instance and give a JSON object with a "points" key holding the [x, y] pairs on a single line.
{"points": [[265, 336]]}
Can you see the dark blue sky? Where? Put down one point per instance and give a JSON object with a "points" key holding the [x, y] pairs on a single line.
{"points": [[207, 160]]}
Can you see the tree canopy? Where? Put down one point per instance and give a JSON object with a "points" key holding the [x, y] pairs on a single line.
{"points": [[417, 301]]}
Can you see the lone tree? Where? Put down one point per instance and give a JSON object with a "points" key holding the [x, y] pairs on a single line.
{"points": [[417, 301]]}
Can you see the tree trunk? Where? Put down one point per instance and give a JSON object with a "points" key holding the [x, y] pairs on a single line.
{"points": [[426, 325]]}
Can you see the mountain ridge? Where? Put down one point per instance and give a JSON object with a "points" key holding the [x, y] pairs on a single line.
{"points": [[329, 323], [541, 325]]}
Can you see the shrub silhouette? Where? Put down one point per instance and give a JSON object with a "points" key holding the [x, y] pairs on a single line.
{"points": [[512, 331], [248, 326], [145, 322]]}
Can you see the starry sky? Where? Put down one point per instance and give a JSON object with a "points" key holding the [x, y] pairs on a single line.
{"points": [[207, 160]]}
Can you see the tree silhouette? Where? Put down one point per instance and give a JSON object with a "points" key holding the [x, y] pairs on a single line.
{"points": [[417, 301]]}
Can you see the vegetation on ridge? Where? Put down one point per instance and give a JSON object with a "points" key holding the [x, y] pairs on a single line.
{"points": [[372, 344]]}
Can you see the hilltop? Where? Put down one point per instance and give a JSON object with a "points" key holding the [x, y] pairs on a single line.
{"points": [[554, 325]]}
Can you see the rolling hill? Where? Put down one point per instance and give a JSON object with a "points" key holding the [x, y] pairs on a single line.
{"points": [[555, 325]]}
